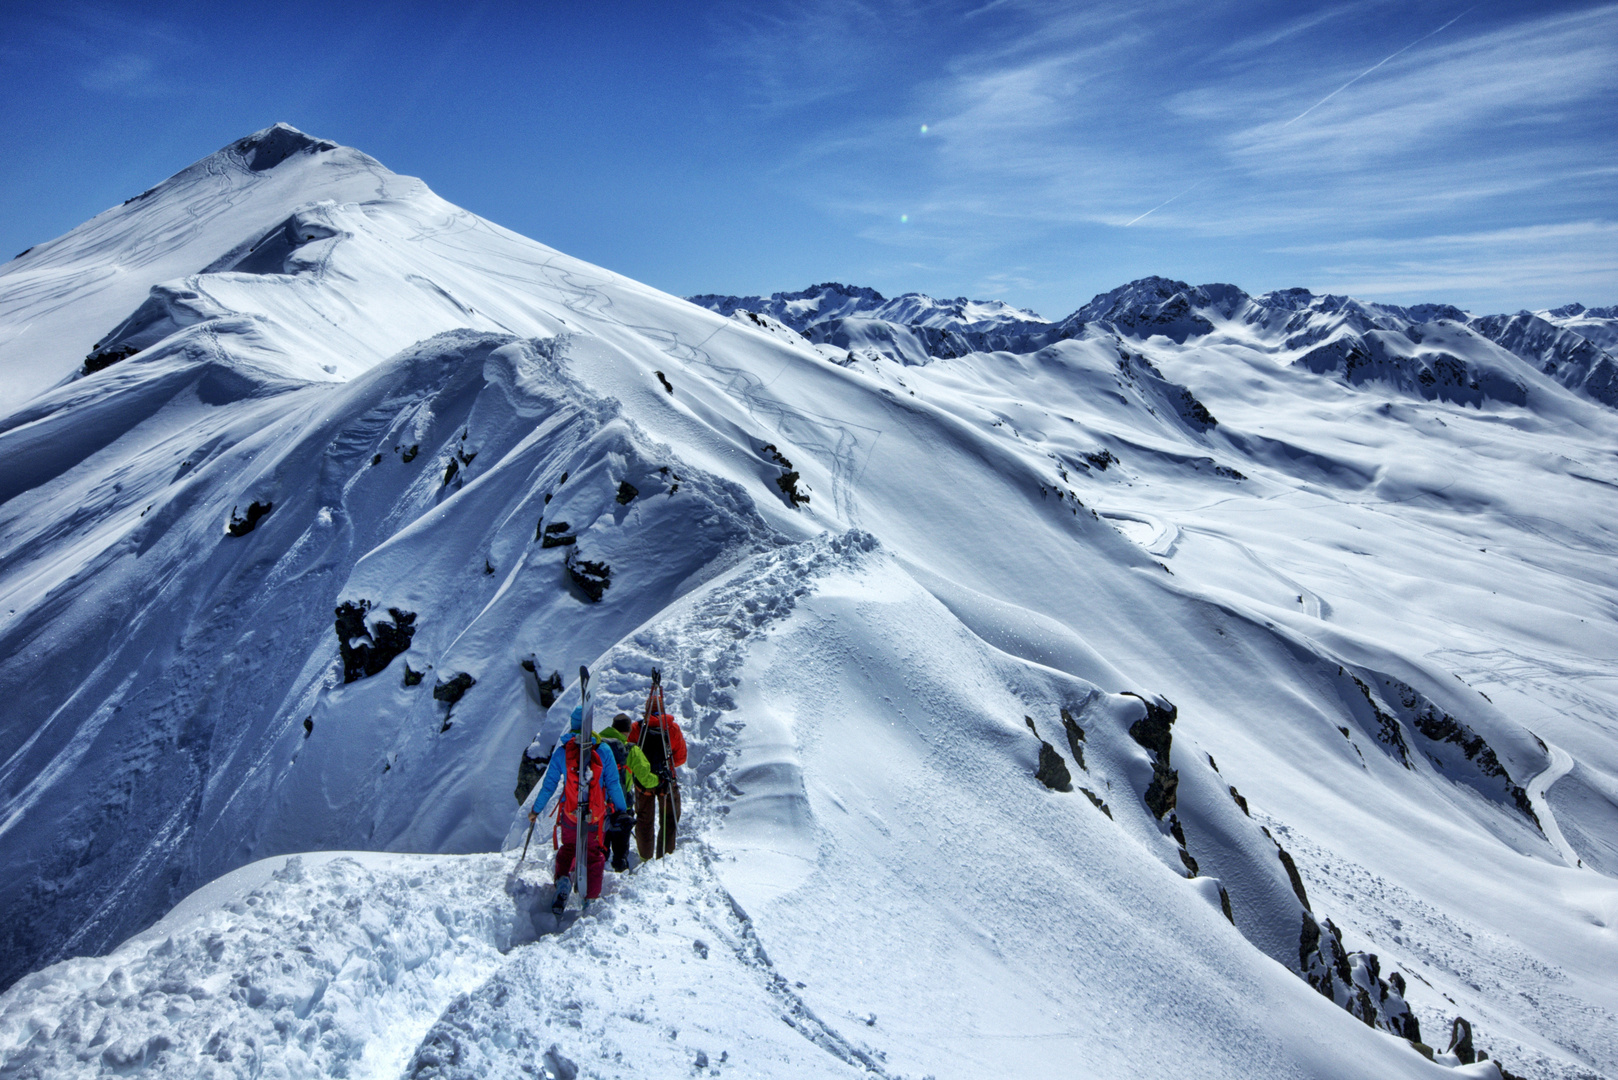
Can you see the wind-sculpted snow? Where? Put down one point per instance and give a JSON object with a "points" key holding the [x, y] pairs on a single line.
{"points": [[1206, 677], [313, 966]]}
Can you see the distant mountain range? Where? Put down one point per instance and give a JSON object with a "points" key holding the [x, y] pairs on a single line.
{"points": [[1357, 340]]}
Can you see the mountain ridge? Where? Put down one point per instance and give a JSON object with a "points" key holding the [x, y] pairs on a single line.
{"points": [[1564, 344], [1240, 698]]}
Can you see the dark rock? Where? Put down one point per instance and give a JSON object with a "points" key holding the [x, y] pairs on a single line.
{"points": [[1293, 875], [368, 649], [488, 567], [376, 459], [452, 691], [1177, 831], [1153, 732], [788, 480], [1388, 730], [1241, 802], [591, 578], [529, 773], [308, 726], [627, 492], [1052, 771], [410, 452], [556, 535], [1095, 800], [241, 526], [1353, 981], [1189, 862], [105, 358], [1224, 905], [1460, 1040], [1100, 460], [664, 380], [412, 678], [549, 688], [1075, 740], [451, 469]]}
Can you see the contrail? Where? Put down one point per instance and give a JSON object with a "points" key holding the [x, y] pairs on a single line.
{"points": [[1165, 202], [1318, 104], [1370, 69]]}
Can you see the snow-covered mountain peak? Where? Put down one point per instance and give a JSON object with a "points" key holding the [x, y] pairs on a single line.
{"points": [[271, 146], [60, 301]]}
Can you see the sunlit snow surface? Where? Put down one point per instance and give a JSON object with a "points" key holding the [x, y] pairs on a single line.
{"points": [[873, 881]]}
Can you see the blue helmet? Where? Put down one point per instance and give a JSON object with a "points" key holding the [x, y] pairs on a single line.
{"points": [[578, 717]]}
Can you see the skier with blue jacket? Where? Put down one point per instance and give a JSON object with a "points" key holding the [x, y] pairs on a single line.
{"points": [[563, 769]]}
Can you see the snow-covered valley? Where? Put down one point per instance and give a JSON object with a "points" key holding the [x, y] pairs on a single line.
{"points": [[1203, 682]]}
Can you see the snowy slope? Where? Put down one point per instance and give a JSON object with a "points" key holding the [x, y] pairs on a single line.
{"points": [[923, 624]]}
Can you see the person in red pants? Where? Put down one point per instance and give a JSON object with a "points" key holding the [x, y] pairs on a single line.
{"points": [[605, 788], [657, 810]]}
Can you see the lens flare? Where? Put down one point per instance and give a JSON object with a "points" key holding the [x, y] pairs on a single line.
{"points": [[924, 129], [904, 219]]}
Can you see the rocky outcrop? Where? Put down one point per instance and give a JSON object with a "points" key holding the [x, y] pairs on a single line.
{"points": [[787, 482], [554, 535], [1153, 732], [590, 578], [1354, 980], [451, 690], [369, 645], [241, 525], [1052, 770]]}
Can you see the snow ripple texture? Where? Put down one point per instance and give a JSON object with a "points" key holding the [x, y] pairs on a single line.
{"points": [[327, 969]]}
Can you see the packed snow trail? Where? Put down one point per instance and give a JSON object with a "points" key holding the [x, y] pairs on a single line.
{"points": [[1561, 764]]}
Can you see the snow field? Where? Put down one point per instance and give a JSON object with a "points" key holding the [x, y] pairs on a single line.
{"points": [[310, 966]]}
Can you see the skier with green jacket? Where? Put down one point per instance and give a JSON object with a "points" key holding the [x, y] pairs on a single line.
{"points": [[631, 763]]}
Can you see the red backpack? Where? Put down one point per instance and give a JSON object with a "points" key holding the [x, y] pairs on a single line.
{"points": [[570, 787]]}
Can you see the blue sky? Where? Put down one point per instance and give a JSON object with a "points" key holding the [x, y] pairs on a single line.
{"points": [[1028, 151]]}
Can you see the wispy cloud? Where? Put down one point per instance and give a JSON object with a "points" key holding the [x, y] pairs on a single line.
{"points": [[1197, 123], [115, 52], [1502, 268]]}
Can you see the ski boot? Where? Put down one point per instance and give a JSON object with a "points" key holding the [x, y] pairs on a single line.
{"points": [[564, 886]]}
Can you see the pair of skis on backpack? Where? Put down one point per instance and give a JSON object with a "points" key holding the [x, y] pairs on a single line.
{"points": [[581, 842]]}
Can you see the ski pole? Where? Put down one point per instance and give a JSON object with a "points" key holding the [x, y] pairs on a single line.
{"points": [[525, 840]]}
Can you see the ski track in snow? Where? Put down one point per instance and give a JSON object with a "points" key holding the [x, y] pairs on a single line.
{"points": [[838, 443], [1561, 764]]}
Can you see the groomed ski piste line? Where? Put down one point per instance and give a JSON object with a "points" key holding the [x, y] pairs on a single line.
{"points": [[1561, 764]]}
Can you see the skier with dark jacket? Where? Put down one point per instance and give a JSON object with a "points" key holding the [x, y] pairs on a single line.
{"points": [[632, 765], [657, 807], [605, 787]]}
